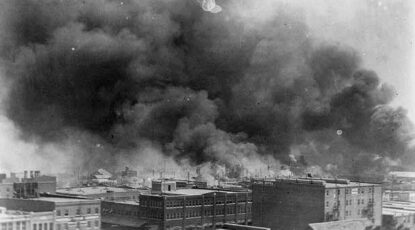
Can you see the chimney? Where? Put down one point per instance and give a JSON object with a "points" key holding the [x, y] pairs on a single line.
{"points": [[37, 173], [25, 174], [31, 174]]}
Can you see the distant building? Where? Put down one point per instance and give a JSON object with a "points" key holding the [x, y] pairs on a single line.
{"points": [[102, 176], [33, 186], [104, 193], [195, 208], [295, 203], [30, 186], [18, 220], [6, 190], [397, 195], [398, 215], [70, 213]]}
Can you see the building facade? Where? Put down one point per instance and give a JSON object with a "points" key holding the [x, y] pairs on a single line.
{"points": [[18, 220], [70, 213], [196, 208], [295, 203]]}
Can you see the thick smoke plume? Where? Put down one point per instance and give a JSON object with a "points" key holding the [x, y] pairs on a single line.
{"points": [[243, 88]]}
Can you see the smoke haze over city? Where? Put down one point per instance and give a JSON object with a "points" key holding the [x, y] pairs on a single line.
{"points": [[254, 88]]}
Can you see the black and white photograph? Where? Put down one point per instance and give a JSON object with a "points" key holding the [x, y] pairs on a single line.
{"points": [[207, 114]]}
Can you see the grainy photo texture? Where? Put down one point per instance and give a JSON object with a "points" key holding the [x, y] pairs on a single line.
{"points": [[204, 114]]}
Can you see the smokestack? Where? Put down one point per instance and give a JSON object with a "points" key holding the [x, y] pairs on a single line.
{"points": [[25, 174]]}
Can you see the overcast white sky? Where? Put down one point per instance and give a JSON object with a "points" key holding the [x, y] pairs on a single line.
{"points": [[381, 30]]}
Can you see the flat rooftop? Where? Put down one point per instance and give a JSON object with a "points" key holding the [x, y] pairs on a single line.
{"points": [[397, 212], [401, 205], [195, 192], [96, 190], [327, 183], [62, 199]]}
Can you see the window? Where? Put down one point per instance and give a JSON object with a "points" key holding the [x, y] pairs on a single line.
{"points": [[78, 211], [66, 212], [23, 225], [96, 223], [40, 226], [358, 202], [327, 192], [88, 211], [363, 201], [4, 226], [96, 210], [34, 227], [338, 191], [78, 225], [45, 226], [58, 226], [50, 226], [58, 212], [18, 225], [10, 226], [327, 203], [89, 224], [65, 226]]}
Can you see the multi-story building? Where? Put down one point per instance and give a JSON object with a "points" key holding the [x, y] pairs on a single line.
{"points": [[70, 213], [34, 185], [18, 220], [295, 203], [195, 208], [104, 193]]}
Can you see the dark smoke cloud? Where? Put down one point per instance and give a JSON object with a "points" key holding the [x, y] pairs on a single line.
{"points": [[204, 87]]}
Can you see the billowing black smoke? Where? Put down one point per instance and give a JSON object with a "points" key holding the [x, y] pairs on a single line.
{"points": [[205, 87]]}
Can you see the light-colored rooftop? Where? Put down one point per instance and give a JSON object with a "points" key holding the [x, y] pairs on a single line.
{"points": [[402, 205], [194, 192], [326, 182], [95, 190], [397, 212], [402, 174], [62, 199]]}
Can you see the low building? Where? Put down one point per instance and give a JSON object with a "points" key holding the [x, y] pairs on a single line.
{"points": [[19, 220], [70, 213], [398, 215], [195, 208], [295, 203], [104, 193], [354, 224]]}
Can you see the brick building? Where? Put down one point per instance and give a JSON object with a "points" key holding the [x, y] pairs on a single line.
{"points": [[70, 213], [196, 208], [294, 203]]}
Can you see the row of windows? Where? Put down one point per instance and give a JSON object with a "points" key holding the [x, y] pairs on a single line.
{"points": [[43, 226], [207, 212], [352, 191], [179, 203], [78, 211], [349, 202], [78, 225]]}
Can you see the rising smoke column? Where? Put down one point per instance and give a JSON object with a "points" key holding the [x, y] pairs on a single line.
{"points": [[230, 88]]}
